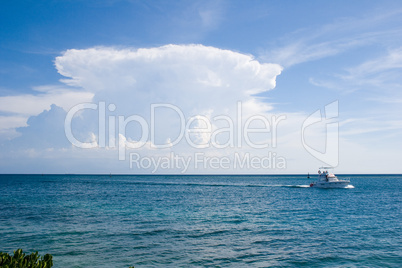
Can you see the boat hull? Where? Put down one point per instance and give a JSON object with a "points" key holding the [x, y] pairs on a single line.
{"points": [[332, 184]]}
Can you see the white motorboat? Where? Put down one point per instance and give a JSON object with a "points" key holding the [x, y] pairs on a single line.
{"points": [[329, 180]]}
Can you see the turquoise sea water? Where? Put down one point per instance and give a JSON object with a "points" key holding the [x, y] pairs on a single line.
{"points": [[202, 221]]}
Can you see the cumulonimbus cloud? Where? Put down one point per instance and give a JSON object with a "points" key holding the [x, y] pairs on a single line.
{"points": [[178, 73], [202, 82], [197, 79]]}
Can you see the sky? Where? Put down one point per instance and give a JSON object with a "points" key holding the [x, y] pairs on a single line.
{"points": [[200, 87]]}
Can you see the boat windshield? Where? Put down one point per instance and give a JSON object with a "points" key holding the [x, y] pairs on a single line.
{"points": [[325, 170]]}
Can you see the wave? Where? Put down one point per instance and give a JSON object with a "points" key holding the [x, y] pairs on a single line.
{"points": [[216, 184]]}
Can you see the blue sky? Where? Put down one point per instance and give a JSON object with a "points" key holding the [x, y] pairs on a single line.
{"points": [[56, 54]]}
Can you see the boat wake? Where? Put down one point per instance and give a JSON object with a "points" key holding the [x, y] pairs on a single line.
{"points": [[295, 186], [216, 184]]}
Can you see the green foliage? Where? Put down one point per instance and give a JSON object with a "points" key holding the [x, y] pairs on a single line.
{"points": [[20, 260]]}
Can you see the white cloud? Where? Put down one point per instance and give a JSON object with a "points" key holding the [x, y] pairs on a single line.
{"points": [[200, 81], [7, 122], [380, 75], [17, 109], [393, 60], [210, 14], [302, 52], [382, 72], [365, 125], [8, 125], [310, 44], [29, 104], [195, 77]]}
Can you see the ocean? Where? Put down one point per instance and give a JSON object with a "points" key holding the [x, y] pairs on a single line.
{"points": [[202, 221]]}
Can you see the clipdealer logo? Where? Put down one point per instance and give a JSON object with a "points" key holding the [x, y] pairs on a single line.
{"points": [[202, 161], [330, 155], [239, 132]]}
